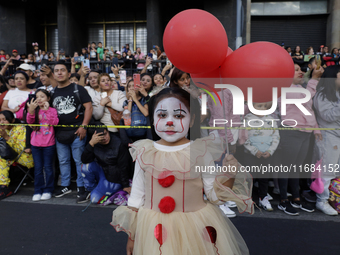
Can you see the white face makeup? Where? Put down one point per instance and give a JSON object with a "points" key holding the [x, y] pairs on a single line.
{"points": [[171, 119]]}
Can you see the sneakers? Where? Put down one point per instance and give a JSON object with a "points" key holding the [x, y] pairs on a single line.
{"points": [[265, 204], [303, 206], [326, 208], [5, 192], [46, 196], [36, 197], [287, 208], [229, 213], [230, 204], [82, 195], [309, 196], [62, 191], [271, 184], [269, 196]]}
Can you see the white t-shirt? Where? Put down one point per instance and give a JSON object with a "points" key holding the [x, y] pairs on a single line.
{"points": [[16, 97]]}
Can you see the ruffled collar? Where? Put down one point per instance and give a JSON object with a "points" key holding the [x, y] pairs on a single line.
{"points": [[180, 161]]}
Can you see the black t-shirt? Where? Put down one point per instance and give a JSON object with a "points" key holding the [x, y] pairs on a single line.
{"points": [[66, 102], [35, 85]]}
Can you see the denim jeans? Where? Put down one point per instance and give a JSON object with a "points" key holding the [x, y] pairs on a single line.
{"points": [[43, 169], [96, 183], [64, 156]]}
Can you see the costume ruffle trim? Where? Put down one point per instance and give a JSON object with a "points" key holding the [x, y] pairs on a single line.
{"points": [[240, 192], [125, 219], [179, 163]]}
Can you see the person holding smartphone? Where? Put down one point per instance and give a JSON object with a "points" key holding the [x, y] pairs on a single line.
{"points": [[130, 63], [105, 165], [139, 56]]}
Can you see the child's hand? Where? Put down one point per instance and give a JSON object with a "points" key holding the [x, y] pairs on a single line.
{"points": [[46, 105], [129, 246], [318, 137], [230, 162], [266, 154], [258, 154], [28, 151], [32, 106]]}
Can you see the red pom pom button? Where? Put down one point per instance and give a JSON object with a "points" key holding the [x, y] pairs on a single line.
{"points": [[167, 204], [167, 181]]}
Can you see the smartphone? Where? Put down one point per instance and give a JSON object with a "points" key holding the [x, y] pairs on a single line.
{"points": [[318, 61], [31, 96], [150, 55], [112, 75], [168, 62], [104, 94], [76, 59], [122, 75], [136, 80], [86, 62], [115, 62]]}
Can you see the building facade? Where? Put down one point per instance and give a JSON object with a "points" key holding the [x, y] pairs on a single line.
{"points": [[71, 25]]}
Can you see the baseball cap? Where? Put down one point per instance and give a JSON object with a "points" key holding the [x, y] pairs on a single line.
{"points": [[118, 52], [25, 67], [322, 46], [14, 51]]}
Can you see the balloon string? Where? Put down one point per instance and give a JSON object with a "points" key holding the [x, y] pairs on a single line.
{"points": [[216, 249], [225, 125], [160, 250]]}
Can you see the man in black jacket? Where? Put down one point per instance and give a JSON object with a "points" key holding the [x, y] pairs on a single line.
{"points": [[105, 165]]}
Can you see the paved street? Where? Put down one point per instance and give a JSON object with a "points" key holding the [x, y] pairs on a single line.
{"points": [[59, 226]]}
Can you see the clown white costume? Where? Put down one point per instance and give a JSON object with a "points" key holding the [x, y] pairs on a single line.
{"points": [[166, 212]]}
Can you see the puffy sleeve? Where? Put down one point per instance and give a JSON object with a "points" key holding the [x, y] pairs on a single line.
{"points": [[218, 194], [240, 192], [124, 218]]}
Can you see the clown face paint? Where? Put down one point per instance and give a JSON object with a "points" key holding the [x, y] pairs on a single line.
{"points": [[171, 119]]}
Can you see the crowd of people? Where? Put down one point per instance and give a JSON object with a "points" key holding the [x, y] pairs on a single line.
{"points": [[80, 96], [100, 58], [328, 57]]}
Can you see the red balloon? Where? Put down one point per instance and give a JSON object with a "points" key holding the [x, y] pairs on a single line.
{"points": [[229, 51], [207, 80], [160, 234], [188, 37], [266, 61], [210, 234]]}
